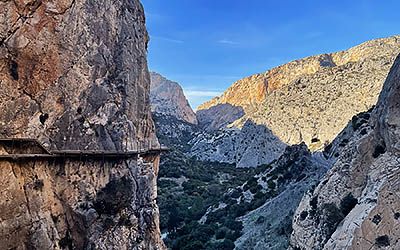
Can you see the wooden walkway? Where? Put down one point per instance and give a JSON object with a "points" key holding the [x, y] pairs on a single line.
{"points": [[70, 154]]}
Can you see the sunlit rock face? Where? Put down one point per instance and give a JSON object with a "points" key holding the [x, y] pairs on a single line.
{"points": [[356, 205], [313, 98], [73, 74], [167, 98]]}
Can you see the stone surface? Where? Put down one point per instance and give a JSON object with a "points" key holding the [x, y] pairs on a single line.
{"points": [[219, 116], [250, 146], [209, 139], [296, 171], [356, 205], [167, 98], [73, 74], [312, 99]]}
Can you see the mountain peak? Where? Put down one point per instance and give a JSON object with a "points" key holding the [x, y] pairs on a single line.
{"points": [[167, 98]]}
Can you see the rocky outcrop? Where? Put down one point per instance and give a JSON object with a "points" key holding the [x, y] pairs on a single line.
{"points": [[285, 182], [250, 146], [167, 98], [209, 139], [356, 205], [219, 116], [312, 99], [73, 74]]}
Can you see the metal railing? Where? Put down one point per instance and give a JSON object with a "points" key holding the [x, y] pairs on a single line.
{"points": [[102, 154]]}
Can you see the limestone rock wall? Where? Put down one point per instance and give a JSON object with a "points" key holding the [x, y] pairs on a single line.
{"points": [[78, 205], [73, 74], [313, 98], [167, 98], [356, 205], [251, 146]]}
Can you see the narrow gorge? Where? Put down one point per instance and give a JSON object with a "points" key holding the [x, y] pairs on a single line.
{"points": [[98, 152], [236, 176]]}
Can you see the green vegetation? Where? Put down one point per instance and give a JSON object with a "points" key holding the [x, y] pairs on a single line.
{"points": [[347, 204], [187, 188], [382, 241]]}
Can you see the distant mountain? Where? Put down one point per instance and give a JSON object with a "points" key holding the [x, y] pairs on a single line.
{"points": [[167, 98], [317, 100], [310, 99]]}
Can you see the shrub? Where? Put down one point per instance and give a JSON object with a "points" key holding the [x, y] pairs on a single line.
{"points": [[252, 182], [220, 233], [236, 193], [38, 185], [233, 224], [166, 184], [303, 215], [260, 220], [379, 150], [188, 244], [259, 195], [347, 204], [382, 241], [271, 184], [232, 235], [226, 245], [314, 202], [255, 189], [332, 216], [377, 219]]}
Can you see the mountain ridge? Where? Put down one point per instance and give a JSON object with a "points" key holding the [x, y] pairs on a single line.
{"points": [[311, 99]]}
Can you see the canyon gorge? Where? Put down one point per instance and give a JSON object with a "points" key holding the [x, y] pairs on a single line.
{"points": [[97, 152]]}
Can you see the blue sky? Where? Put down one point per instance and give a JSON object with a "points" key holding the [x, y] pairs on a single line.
{"points": [[206, 45]]}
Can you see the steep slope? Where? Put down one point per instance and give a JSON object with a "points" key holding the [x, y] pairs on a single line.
{"points": [[356, 205], [219, 116], [167, 98], [251, 146], [286, 181], [73, 75], [312, 99]]}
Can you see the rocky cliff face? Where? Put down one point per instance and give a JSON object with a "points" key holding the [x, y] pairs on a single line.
{"points": [[285, 182], [250, 146], [356, 205], [312, 99], [168, 99], [219, 116], [73, 74]]}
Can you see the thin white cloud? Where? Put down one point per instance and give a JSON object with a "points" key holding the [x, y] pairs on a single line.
{"points": [[201, 93], [314, 34], [227, 41], [167, 39]]}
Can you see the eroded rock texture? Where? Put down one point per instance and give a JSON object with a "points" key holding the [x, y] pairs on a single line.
{"points": [[356, 205], [167, 98], [73, 74], [78, 205], [313, 98], [251, 146]]}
